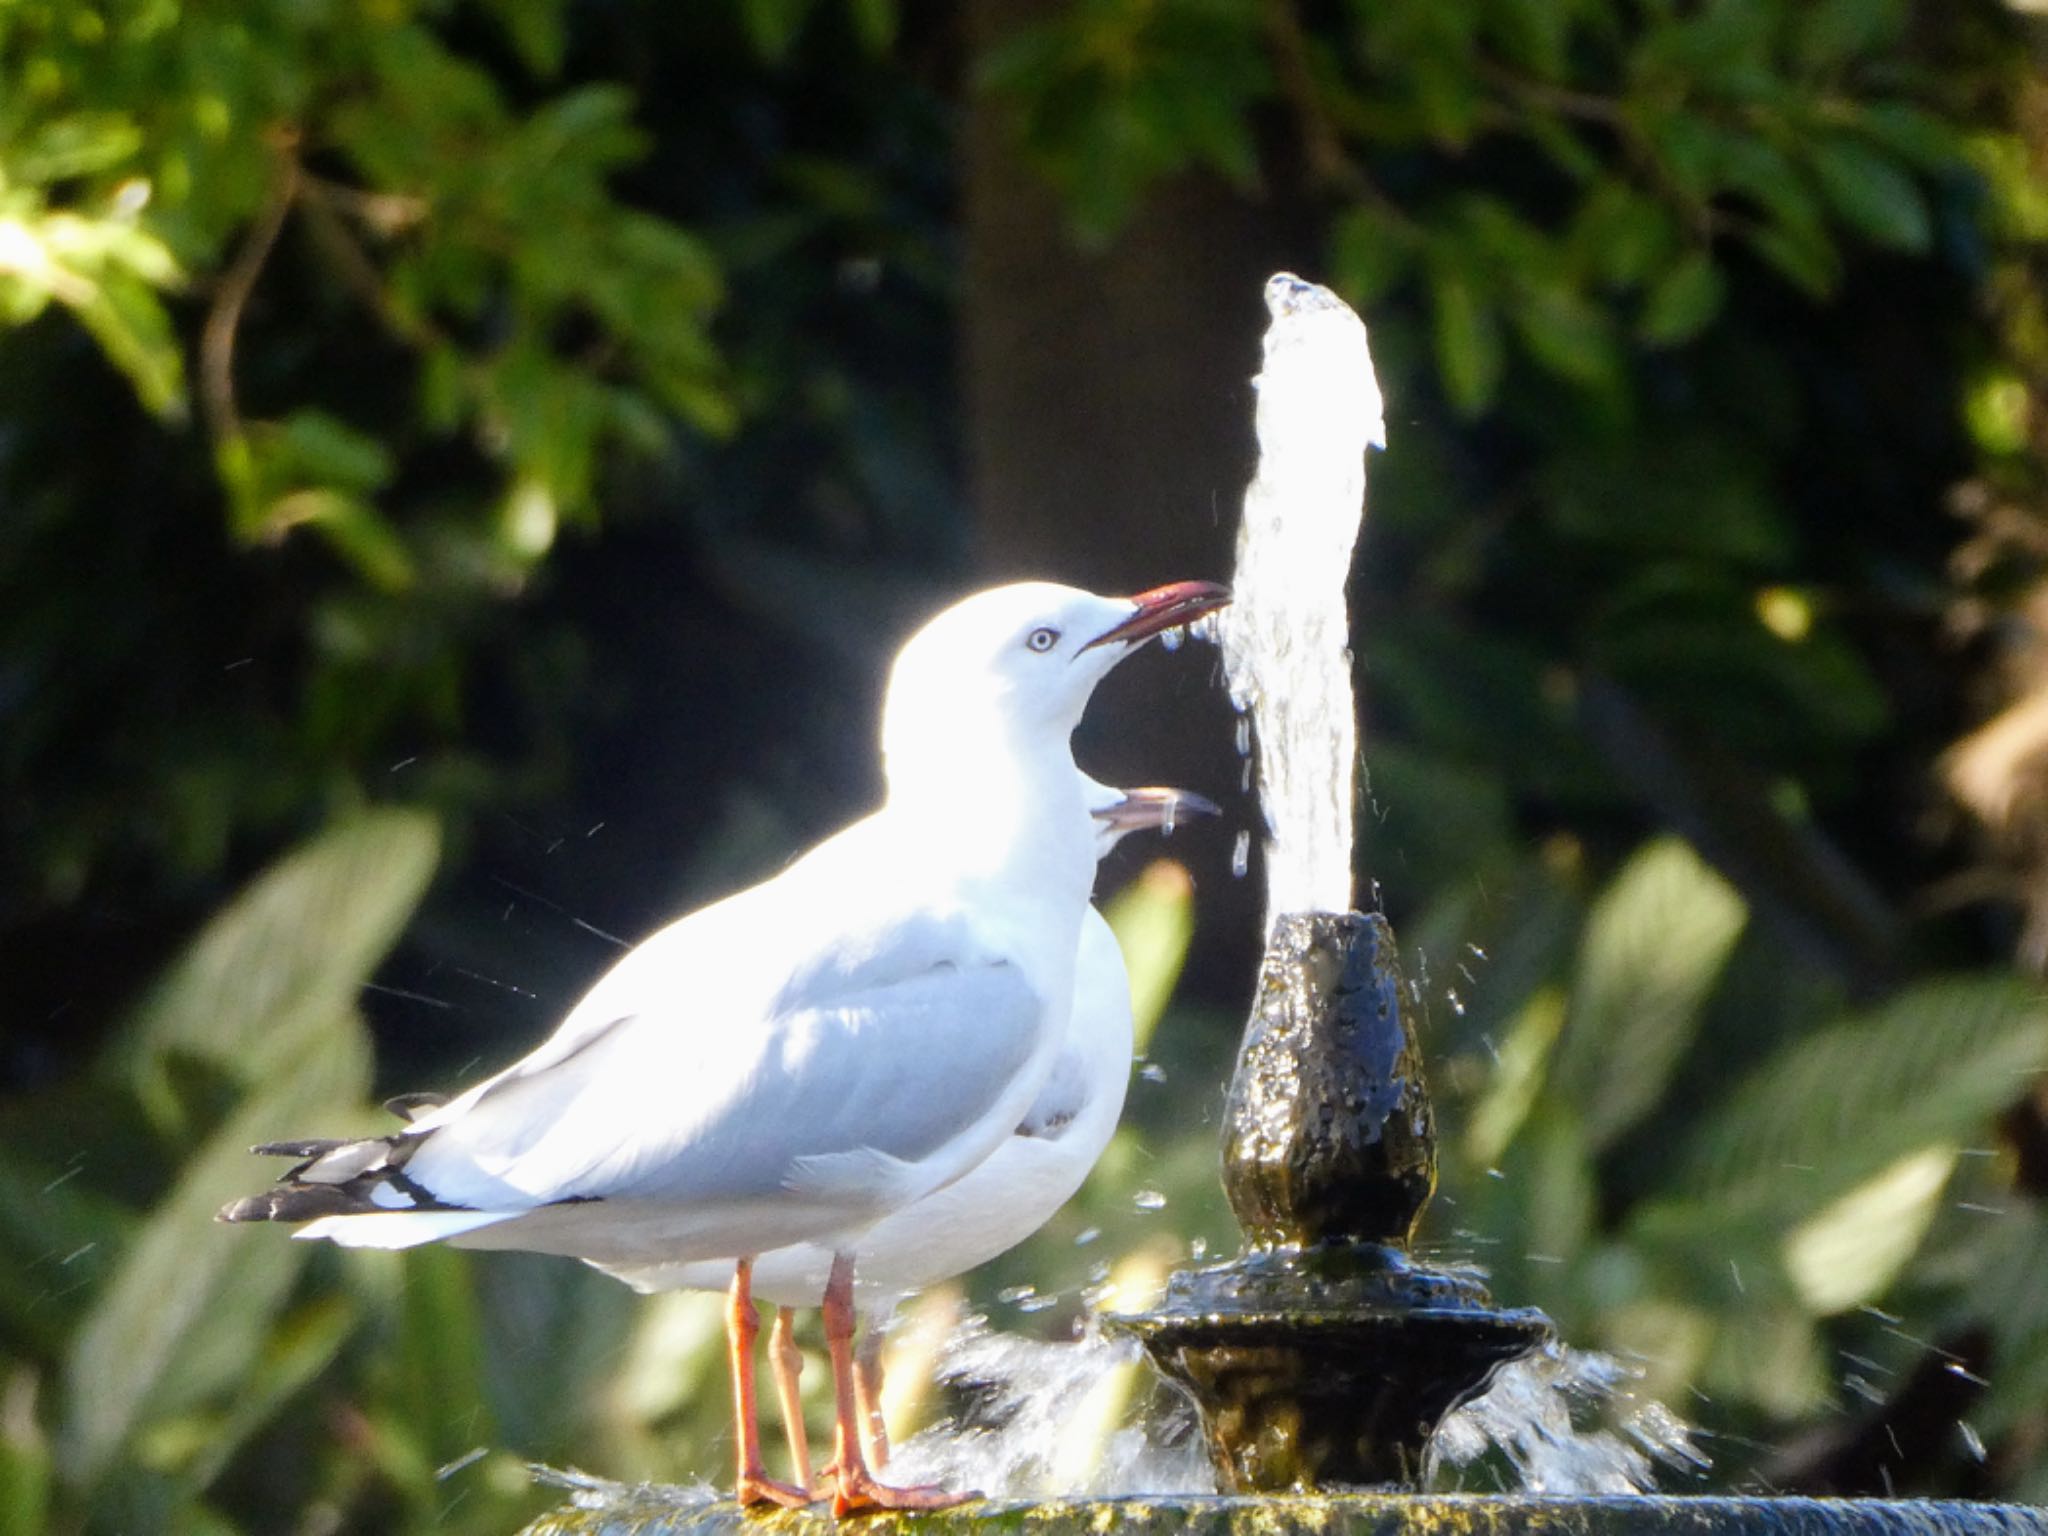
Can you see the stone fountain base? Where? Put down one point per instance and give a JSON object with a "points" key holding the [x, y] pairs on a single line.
{"points": [[658, 1512]]}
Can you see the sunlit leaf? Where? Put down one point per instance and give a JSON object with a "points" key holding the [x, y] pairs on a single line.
{"points": [[1153, 919], [76, 144], [131, 325], [1518, 1074], [26, 1473], [1654, 946], [1847, 1254]]}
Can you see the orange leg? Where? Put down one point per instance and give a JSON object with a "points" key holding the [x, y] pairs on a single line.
{"points": [[788, 1363], [867, 1396], [857, 1488], [742, 1325]]}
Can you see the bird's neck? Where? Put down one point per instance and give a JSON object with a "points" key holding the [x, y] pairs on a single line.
{"points": [[1002, 813]]}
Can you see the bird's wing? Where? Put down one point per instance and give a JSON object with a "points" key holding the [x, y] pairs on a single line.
{"points": [[854, 1066]]}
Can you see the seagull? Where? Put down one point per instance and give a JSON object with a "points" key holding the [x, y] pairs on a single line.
{"points": [[795, 1062], [997, 1204]]}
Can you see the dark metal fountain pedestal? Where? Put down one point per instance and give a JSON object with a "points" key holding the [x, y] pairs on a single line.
{"points": [[1325, 1355]]}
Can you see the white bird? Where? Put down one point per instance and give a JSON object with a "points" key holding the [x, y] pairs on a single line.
{"points": [[997, 1204], [792, 1064]]}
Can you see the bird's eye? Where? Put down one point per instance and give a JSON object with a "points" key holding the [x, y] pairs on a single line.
{"points": [[1042, 639]]}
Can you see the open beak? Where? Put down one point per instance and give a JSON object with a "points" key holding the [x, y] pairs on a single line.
{"points": [[1162, 608], [1144, 808]]}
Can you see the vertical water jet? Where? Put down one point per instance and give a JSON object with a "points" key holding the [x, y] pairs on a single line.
{"points": [[1324, 1354]]}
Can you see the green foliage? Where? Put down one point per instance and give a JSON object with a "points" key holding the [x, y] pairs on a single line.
{"points": [[1820, 1181], [1651, 150], [187, 1344]]}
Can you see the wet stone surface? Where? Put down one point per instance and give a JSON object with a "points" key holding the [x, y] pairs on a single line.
{"points": [[654, 1512]]}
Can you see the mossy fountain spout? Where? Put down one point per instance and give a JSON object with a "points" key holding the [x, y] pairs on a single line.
{"points": [[1324, 1354]]}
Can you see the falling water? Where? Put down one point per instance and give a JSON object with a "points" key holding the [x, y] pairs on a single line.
{"points": [[1285, 637], [1043, 1420], [1533, 1412]]}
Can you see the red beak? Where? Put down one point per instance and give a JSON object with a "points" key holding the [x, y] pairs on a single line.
{"points": [[1163, 607]]}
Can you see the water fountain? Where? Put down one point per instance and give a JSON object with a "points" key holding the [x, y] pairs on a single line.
{"points": [[1324, 1356]]}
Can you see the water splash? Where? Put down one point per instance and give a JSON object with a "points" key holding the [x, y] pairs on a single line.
{"points": [[602, 1493], [1285, 637], [1043, 1420], [1539, 1414]]}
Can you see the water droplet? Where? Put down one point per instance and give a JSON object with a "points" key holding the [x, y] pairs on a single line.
{"points": [[1972, 1441], [1475, 951], [1086, 1236], [1244, 778], [1244, 735], [1149, 1200], [1152, 1072], [1013, 1295], [1171, 638], [1241, 855], [1198, 1248], [1457, 1003]]}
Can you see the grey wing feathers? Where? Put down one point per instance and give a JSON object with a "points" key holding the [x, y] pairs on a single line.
{"points": [[670, 1113]]}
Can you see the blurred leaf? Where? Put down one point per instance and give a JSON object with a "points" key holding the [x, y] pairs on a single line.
{"points": [[25, 1470], [129, 322], [535, 27], [876, 21], [1568, 335], [1368, 254], [1832, 32], [1872, 194], [1655, 943], [1153, 919], [189, 1307], [266, 978], [773, 25], [1771, 1357], [1683, 301], [1468, 346], [1847, 1255], [60, 1234], [76, 144], [297, 1348], [438, 1356], [1831, 1112], [1518, 1077]]}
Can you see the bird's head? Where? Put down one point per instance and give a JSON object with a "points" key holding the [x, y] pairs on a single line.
{"points": [[1014, 666]]}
